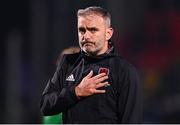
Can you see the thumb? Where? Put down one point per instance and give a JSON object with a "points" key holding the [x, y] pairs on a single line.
{"points": [[90, 74]]}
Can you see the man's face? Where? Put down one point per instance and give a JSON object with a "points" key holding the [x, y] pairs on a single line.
{"points": [[93, 34]]}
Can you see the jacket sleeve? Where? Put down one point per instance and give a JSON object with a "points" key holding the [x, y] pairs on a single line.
{"points": [[56, 97], [130, 98]]}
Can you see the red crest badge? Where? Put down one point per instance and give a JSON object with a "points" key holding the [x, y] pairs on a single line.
{"points": [[104, 70]]}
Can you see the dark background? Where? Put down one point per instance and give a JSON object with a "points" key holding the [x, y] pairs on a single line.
{"points": [[34, 32]]}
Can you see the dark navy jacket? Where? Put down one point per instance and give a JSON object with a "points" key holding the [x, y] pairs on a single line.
{"points": [[120, 104]]}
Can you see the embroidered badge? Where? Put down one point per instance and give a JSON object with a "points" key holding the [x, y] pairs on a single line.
{"points": [[103, 70]]}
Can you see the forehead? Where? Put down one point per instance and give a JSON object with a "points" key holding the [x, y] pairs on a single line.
{"points": [[90, 20]]}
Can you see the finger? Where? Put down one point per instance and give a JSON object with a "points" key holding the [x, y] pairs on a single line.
{"points": [[101, 85], [100, 79], [90, 74], [98, 76], [98, 91]]}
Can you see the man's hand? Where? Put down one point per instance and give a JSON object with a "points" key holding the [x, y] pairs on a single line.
{"points": [[89, 85]]}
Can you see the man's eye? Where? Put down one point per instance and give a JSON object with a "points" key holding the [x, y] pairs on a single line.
{"points": [[82, 30], [93, 30]]}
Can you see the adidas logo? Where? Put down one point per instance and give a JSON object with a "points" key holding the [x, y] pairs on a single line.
{"points": [[70, 78]]}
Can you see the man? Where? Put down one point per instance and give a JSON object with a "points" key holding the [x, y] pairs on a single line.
{"points": [[95, 85]]}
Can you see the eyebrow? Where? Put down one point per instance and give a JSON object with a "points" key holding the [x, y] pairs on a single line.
{"points": [[81, 28], [92, 28], [88, 28]]}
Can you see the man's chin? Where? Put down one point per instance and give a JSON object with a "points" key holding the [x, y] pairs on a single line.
{"points": [[90, 52], [88, 49]]}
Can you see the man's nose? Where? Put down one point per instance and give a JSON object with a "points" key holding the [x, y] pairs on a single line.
{"points": [[87, 35]]}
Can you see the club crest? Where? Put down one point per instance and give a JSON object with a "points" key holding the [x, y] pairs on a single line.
{"points": [[103, 70]]}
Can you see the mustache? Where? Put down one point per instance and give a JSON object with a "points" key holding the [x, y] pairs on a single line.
{"points": [[85, 42]]}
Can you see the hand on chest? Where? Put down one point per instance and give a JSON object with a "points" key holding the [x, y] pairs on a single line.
{"points": [[80, 71]]}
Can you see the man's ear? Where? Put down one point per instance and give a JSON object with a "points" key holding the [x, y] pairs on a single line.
{"points": [[109, 33]]}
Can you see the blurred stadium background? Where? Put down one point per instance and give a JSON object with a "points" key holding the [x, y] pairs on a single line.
{"points": [[34, 32]]}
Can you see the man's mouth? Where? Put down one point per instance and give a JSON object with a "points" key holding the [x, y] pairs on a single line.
{"points": [[87, 43]]}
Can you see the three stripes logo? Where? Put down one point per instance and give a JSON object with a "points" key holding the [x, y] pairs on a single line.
{"points": [[70, 78]]}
